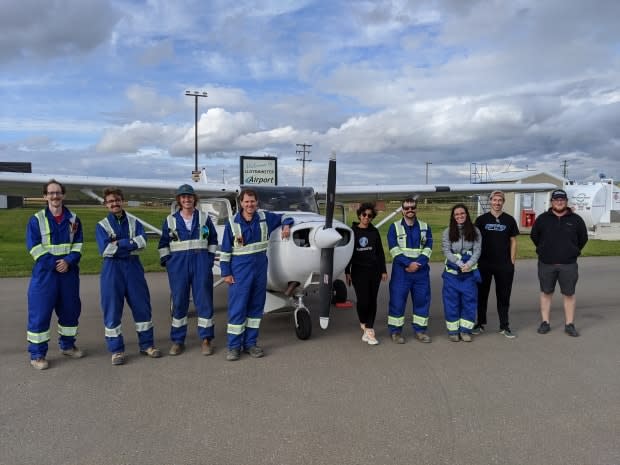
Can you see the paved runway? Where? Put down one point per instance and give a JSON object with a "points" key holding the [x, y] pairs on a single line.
{"points": [[536, 399]]}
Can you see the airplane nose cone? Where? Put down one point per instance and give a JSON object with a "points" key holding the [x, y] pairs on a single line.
{"points": [[326, 238]]}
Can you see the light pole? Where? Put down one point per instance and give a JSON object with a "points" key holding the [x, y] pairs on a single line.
{"points": [[195, 94], [427, 163]]}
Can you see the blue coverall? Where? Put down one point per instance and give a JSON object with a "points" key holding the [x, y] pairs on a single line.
{"points": [[122, 277], [244, 257], [415, 245], [188, 257], [47, 242]]}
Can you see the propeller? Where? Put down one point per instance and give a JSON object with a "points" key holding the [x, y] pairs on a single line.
{"points": [[327, 253]]}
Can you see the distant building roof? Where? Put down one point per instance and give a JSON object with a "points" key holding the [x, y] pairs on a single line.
{"points": [[517, 176]]}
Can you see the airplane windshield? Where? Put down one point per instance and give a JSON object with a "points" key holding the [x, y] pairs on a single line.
{"points": [[286, 198]]}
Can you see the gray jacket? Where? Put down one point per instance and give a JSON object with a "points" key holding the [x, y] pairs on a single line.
{"points": [[449, 249]]}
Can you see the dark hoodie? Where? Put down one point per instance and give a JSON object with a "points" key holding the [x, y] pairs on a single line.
{"points": [[559, 239], [368, 250]]}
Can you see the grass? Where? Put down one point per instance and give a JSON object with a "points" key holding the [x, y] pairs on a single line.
{"points": [[16, 261]]}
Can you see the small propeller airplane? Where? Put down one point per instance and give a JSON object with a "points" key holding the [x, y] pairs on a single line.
{"points": [[319, 247]]}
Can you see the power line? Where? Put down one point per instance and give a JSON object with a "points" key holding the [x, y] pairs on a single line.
{"points": [[303, 159]]}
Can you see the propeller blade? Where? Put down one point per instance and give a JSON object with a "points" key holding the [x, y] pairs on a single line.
{"points": [[327, 253]]}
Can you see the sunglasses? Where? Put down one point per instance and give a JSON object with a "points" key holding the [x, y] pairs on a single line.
{"points": [[367, 215], [409, 208]]}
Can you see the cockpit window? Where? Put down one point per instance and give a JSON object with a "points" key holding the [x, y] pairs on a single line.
{"points": [[286, 198]]}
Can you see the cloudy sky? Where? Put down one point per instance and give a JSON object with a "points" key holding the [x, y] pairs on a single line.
{"points": [[96, 87]]}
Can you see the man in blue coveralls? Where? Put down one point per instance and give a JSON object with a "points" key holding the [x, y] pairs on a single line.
{"points": [[54, 239], [187, 249], [411, 243], [120, 237], [243, 260]]}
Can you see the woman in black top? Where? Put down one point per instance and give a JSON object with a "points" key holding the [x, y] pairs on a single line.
{"points": [[366, 269]]}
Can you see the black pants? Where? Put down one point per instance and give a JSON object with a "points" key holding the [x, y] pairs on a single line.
{"points": [[366, 284], [503, 288]]}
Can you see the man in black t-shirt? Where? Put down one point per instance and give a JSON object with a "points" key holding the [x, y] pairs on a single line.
{"points": [[499, 251]]}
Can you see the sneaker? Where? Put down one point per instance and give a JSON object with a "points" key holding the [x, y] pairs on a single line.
{"points": [[398, 338], [152, 352], [570, 330], [544, 328], [478, 329], [369, 337], [509, 334], [206, 348], [454, 337], [466, 337], [423, 337], [255, 351], [176, 349], [363, 327], [118, 358], [72, 352], [40, 364], [233, 355]]}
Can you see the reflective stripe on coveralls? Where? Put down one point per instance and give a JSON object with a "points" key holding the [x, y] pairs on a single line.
{"points": [[401, 237], [46, 246], [111, 249], [455, 282]]}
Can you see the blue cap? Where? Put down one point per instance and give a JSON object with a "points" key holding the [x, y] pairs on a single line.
{"points": [[185, 189], [559, 194]]}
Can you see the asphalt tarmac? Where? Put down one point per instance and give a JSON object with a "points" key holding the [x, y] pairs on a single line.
{"points": [[537, 399]]}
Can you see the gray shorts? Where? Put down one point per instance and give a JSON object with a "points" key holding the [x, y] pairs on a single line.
{"points": [[565, 274]]}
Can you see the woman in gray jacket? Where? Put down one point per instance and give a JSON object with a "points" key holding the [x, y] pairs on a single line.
{"points": [[460, 244]]}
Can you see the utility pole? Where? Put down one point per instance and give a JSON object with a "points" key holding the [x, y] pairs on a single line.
{"points": [[303, 159], [427, 163], [195, 94], [564, 166]]}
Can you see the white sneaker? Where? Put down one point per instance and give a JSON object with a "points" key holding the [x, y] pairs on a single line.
{"points": [[369, 337]]}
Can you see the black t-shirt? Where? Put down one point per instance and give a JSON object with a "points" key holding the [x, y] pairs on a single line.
{"points": [[496, 234]]}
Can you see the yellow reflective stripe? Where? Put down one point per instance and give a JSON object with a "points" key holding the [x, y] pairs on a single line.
{"points": [[77, 247], [59, 249], [466, 324], [164, 252], [205, 322], [38, 338], [140, 242], [67, 330], [452, 325], [44, 228], [225, 256], [427, 252], [132, 227], [191, 244], [254, 247], [235, 329], [396, 320], [420, 320], [109, 250], [143, 326], [451, 271], [252, 323], [113, 332], [179, 323], [212, 248], [37, 251]]}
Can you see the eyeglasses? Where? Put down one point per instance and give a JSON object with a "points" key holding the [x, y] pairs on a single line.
{"points": [[110, 202], [368, 215], [409, 208], [58, 193]]}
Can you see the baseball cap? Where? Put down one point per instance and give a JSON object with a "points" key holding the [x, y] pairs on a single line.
{"points": [[558, 194], [185, 189]]}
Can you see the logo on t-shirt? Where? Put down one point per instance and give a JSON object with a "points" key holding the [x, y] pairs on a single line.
{"points": [[495, 227], [363, 242]]}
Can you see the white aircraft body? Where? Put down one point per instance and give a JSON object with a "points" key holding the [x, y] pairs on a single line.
{"points": [[296, 266]]}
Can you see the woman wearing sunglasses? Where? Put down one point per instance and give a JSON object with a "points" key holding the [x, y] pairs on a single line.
{"points": [[461, 245], [366, 269]]}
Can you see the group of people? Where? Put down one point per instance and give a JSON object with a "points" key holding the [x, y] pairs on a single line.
{"points": [[476, 253], [187, 247]]}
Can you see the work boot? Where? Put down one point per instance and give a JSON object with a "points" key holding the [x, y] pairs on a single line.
{"points": [[176, 349], [40, 363], [255, 351], [118, 358], [398, 338], [72, 352], [454, 337], [423, 337], [466, 337], [233, 355], [152, 352], [207, 348]]}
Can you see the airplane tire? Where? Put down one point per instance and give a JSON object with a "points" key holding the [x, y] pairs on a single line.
{"points": [[339, 291], [304, 325]]}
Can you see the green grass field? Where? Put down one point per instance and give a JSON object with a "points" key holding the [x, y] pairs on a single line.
{"points": [[16, 261]]}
